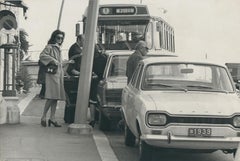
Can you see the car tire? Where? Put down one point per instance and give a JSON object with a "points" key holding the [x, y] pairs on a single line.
{"points": [[234, 153], [104, 122], [145, 151], [129, 137]]}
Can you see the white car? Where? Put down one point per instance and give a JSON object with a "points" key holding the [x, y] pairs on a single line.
{"points": [[172, 103]]}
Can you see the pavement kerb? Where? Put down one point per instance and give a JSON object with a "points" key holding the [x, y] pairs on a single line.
{"points": [[103, 146], [104, 149], [25, 101]]}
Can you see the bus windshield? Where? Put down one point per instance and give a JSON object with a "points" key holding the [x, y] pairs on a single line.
{"points": [[121, 35]]}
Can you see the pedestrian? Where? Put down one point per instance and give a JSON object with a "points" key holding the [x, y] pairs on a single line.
{"points": [[51, 54], [99, 62], [73, 73], [141, 50], [75, 53]]}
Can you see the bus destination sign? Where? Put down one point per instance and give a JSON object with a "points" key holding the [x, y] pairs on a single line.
{"points": [[117, 10]]}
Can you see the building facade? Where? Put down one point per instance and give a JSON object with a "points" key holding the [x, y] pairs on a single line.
{"points": [[10, 12]]}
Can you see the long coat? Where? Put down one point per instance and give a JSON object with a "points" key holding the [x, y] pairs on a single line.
{"points": [[54, 82]]}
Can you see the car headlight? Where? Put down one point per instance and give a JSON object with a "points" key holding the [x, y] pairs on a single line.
{"points": [[157, 119], [236, 121]]}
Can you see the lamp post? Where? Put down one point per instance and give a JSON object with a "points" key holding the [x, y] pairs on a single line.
{"points": [[80, 125], [60, 15]]}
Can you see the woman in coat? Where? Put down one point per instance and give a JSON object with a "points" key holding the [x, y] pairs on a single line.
{"points": [[51, 54]]}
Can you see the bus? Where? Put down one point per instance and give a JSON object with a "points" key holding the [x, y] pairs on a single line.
{"points": [[121, 26]]}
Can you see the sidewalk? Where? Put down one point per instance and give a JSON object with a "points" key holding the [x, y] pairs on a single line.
{"points": [[28, 141]]}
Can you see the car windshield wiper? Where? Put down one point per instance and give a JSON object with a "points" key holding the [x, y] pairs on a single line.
{"points": [[159, 84], [200, 86], [207, 87], [168, 86]]}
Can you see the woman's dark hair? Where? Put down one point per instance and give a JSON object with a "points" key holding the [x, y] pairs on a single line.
{"points": [[52, 39]]}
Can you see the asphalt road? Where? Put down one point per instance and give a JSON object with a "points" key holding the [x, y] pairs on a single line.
{"points": [[124, 153]]}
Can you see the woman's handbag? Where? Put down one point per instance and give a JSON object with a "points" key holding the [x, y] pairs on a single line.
{"points": [[51, 68]]}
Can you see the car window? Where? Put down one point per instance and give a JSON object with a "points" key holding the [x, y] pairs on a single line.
{"points": [[118, 65], [186, 76], [135, 76], [139, 76]]}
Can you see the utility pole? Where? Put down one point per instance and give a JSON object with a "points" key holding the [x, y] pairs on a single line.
{"points": [[60, 15], [80, 125]]}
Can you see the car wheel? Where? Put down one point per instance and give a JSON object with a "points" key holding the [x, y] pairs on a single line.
{"points": [[104, 123], [145, 151], [234, 153], [129, 137]]}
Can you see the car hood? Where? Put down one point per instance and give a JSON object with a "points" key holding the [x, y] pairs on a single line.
{"points": [[195, 103]]}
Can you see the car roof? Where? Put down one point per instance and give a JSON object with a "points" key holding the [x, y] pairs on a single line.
{"points": [[124, 52], [172, 59]]}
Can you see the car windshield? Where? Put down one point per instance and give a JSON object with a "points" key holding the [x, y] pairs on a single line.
{"points": [[118, 65], [120, 35], [188, 77]]}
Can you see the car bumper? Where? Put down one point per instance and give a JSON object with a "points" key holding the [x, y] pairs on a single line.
{"points": [[191, 143], [177, 137]]}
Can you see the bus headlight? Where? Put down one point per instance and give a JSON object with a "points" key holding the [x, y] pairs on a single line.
{"points": [[236, 121], [156, 119]]}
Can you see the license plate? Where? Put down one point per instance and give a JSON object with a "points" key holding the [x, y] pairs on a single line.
{"points": [[199, 132]]}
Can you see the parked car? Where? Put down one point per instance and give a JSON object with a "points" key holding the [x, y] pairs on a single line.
{"points": [[172, 103], [234, 69], [109, 91]]}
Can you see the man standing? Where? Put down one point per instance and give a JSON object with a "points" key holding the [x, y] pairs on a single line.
{"points": [[71, 84], [75, 53], [141, 50]]}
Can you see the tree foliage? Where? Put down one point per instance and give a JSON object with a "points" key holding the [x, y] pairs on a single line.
{"points": [[23, 40], [24, 44]]}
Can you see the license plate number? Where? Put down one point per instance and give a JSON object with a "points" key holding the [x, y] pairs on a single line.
{"points": [[199, 132]]}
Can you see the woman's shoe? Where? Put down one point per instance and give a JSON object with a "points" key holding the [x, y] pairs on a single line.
{"points": [[43, 123], [92, 123], [54, 123]]}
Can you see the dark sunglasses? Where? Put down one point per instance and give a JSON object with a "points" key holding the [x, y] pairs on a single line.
{"points": [[59, 37]]}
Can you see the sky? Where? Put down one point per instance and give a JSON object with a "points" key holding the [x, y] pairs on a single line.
{"points": [[204, 29]]}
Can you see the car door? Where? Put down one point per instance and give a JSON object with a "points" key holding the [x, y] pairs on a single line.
{"points": [[133, 94]]}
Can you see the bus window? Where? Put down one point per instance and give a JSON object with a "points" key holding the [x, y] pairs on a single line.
{"points": [[149, 36], [160, 31], [121, 35], [122, 26]]}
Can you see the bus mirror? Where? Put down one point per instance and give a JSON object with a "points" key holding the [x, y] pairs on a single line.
{"points": [[79, 28]]}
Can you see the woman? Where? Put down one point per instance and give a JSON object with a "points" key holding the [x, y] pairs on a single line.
{"points": [[54, 82]]}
